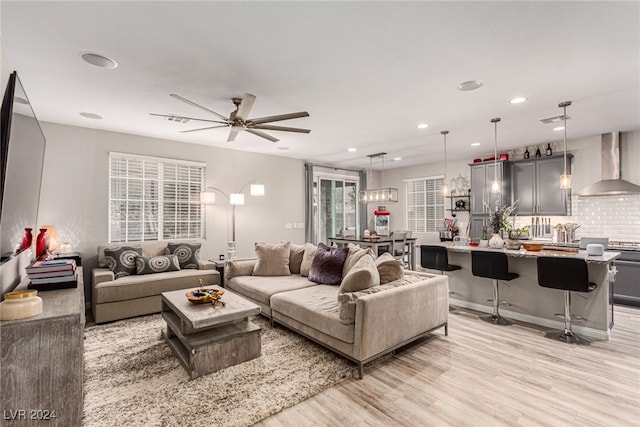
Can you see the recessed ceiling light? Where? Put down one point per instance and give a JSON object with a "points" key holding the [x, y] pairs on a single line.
{"points": [[475, 144], [470, 85], [518, 100], [559, 128], [91, 116], [422, 126], [282, 148], [397, 159], [351, 150], [98, 60]]}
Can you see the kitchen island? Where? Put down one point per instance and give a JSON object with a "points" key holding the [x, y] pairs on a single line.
{"points": [[529, 302]]}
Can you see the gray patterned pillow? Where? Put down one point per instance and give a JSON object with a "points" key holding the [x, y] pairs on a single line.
{"points": [[157, 264], [187, 253], [122, 260]]}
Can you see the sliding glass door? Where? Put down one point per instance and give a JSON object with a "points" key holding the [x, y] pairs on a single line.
{"points": [[337, 207]]}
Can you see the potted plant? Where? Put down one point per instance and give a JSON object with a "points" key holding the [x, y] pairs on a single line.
{"points": [[484, 240], [499, 222]]}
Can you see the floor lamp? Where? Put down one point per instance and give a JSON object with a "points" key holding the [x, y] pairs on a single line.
{"points": [[235, 199]]}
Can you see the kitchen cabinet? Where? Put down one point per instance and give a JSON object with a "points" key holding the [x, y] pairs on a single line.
{"points": [[483, 201], [626, 289], [477, 222], [481, 176], [536, 184]]}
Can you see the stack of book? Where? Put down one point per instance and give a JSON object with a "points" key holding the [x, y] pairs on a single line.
{"points": [[54, 274]]}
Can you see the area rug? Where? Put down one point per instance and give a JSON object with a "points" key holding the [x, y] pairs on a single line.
{"points": [[133, 379]]}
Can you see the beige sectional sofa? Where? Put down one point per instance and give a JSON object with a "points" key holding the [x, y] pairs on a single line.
{"points": [[136, 295], [360, 319]]}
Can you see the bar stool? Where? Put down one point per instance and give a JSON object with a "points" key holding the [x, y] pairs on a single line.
{"points": [[566, 274], [435, 257], [493, 265]]}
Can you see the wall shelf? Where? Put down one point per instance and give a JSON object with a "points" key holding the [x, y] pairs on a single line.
{"points": [[454, 209]]}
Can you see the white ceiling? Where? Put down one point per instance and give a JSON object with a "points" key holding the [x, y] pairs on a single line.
{"points": [[367, 72]]}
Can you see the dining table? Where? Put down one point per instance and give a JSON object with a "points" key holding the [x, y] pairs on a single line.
{"points": [[379, 244]]}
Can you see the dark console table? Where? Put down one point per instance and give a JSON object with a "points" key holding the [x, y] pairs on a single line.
{"points": [[41, 364]]}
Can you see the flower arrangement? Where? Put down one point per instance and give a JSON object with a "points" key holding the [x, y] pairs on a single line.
{"points": [[500, 218]]}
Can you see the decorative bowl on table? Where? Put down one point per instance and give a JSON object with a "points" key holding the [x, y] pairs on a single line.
{"points": [[533, 246], [474, 244], [204, 296]]}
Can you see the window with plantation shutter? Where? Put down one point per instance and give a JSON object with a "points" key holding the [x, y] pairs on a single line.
{"points": [[424, 204], [152, 198]]}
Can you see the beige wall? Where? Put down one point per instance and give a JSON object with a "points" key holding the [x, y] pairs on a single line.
{"points": [[75, 189]]}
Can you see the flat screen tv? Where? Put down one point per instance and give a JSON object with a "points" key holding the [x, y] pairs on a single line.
{"points": [[22, 151]]}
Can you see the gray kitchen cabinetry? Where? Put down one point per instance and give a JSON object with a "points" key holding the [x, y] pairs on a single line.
{"points": [[483, 201], [535, 183], [626, 289], [481, 176]]}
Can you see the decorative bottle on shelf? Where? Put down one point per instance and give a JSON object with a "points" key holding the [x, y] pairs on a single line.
{"points": [[26, 240], [538, 152], [526, 153], [549, 152], [42, 243]]}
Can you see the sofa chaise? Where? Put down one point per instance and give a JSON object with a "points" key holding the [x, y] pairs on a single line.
{"points": [[375, 308]]}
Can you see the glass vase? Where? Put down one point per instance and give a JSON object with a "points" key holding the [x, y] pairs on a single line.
{"points": [[42, 243], [27, 240]]}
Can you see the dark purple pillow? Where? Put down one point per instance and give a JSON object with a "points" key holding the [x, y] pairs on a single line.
{"points": [[327, 264]]}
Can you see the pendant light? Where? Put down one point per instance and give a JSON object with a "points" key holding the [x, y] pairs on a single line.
{"points": [[377, 195], [495, 184], [565, 178], [445, 189]]}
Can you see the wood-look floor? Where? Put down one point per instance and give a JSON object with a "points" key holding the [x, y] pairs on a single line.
{"points": [[486, 375]]}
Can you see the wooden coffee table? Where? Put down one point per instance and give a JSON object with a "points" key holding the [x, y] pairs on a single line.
{"points": [[206, 338]]}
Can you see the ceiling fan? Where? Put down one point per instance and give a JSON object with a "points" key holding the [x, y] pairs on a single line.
{"points": [[238, 120]]}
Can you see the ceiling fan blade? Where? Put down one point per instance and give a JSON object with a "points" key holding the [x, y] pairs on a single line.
{"points": [[180, 118], [185, 100], [245, 106], [263, 135], [281, 128], [232, 134], [278, 118], [210, 127]]}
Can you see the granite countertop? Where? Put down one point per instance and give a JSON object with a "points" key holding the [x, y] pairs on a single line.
{"points": [[522, 253], [632, 246]]}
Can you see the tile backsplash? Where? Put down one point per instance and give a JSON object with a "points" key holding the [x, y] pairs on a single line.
{"points": [[615, 217]]}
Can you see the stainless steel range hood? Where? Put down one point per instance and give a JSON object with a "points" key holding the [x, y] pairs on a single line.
{"points": [[610, 183]]}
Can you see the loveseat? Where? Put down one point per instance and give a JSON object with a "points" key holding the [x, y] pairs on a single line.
{"points": [[370, 308], [130, 277]]}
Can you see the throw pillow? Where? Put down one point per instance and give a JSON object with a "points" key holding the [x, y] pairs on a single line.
{"points": [[187, 253], [307, 258], [122, 260], [273, 260], [157, 264], [389, 268], [238, 267], [327, 264], [296, 253], [364, 274], [354, 255]]}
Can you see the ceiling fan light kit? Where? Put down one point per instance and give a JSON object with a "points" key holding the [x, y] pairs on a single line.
{"points": [[239, 120]]}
